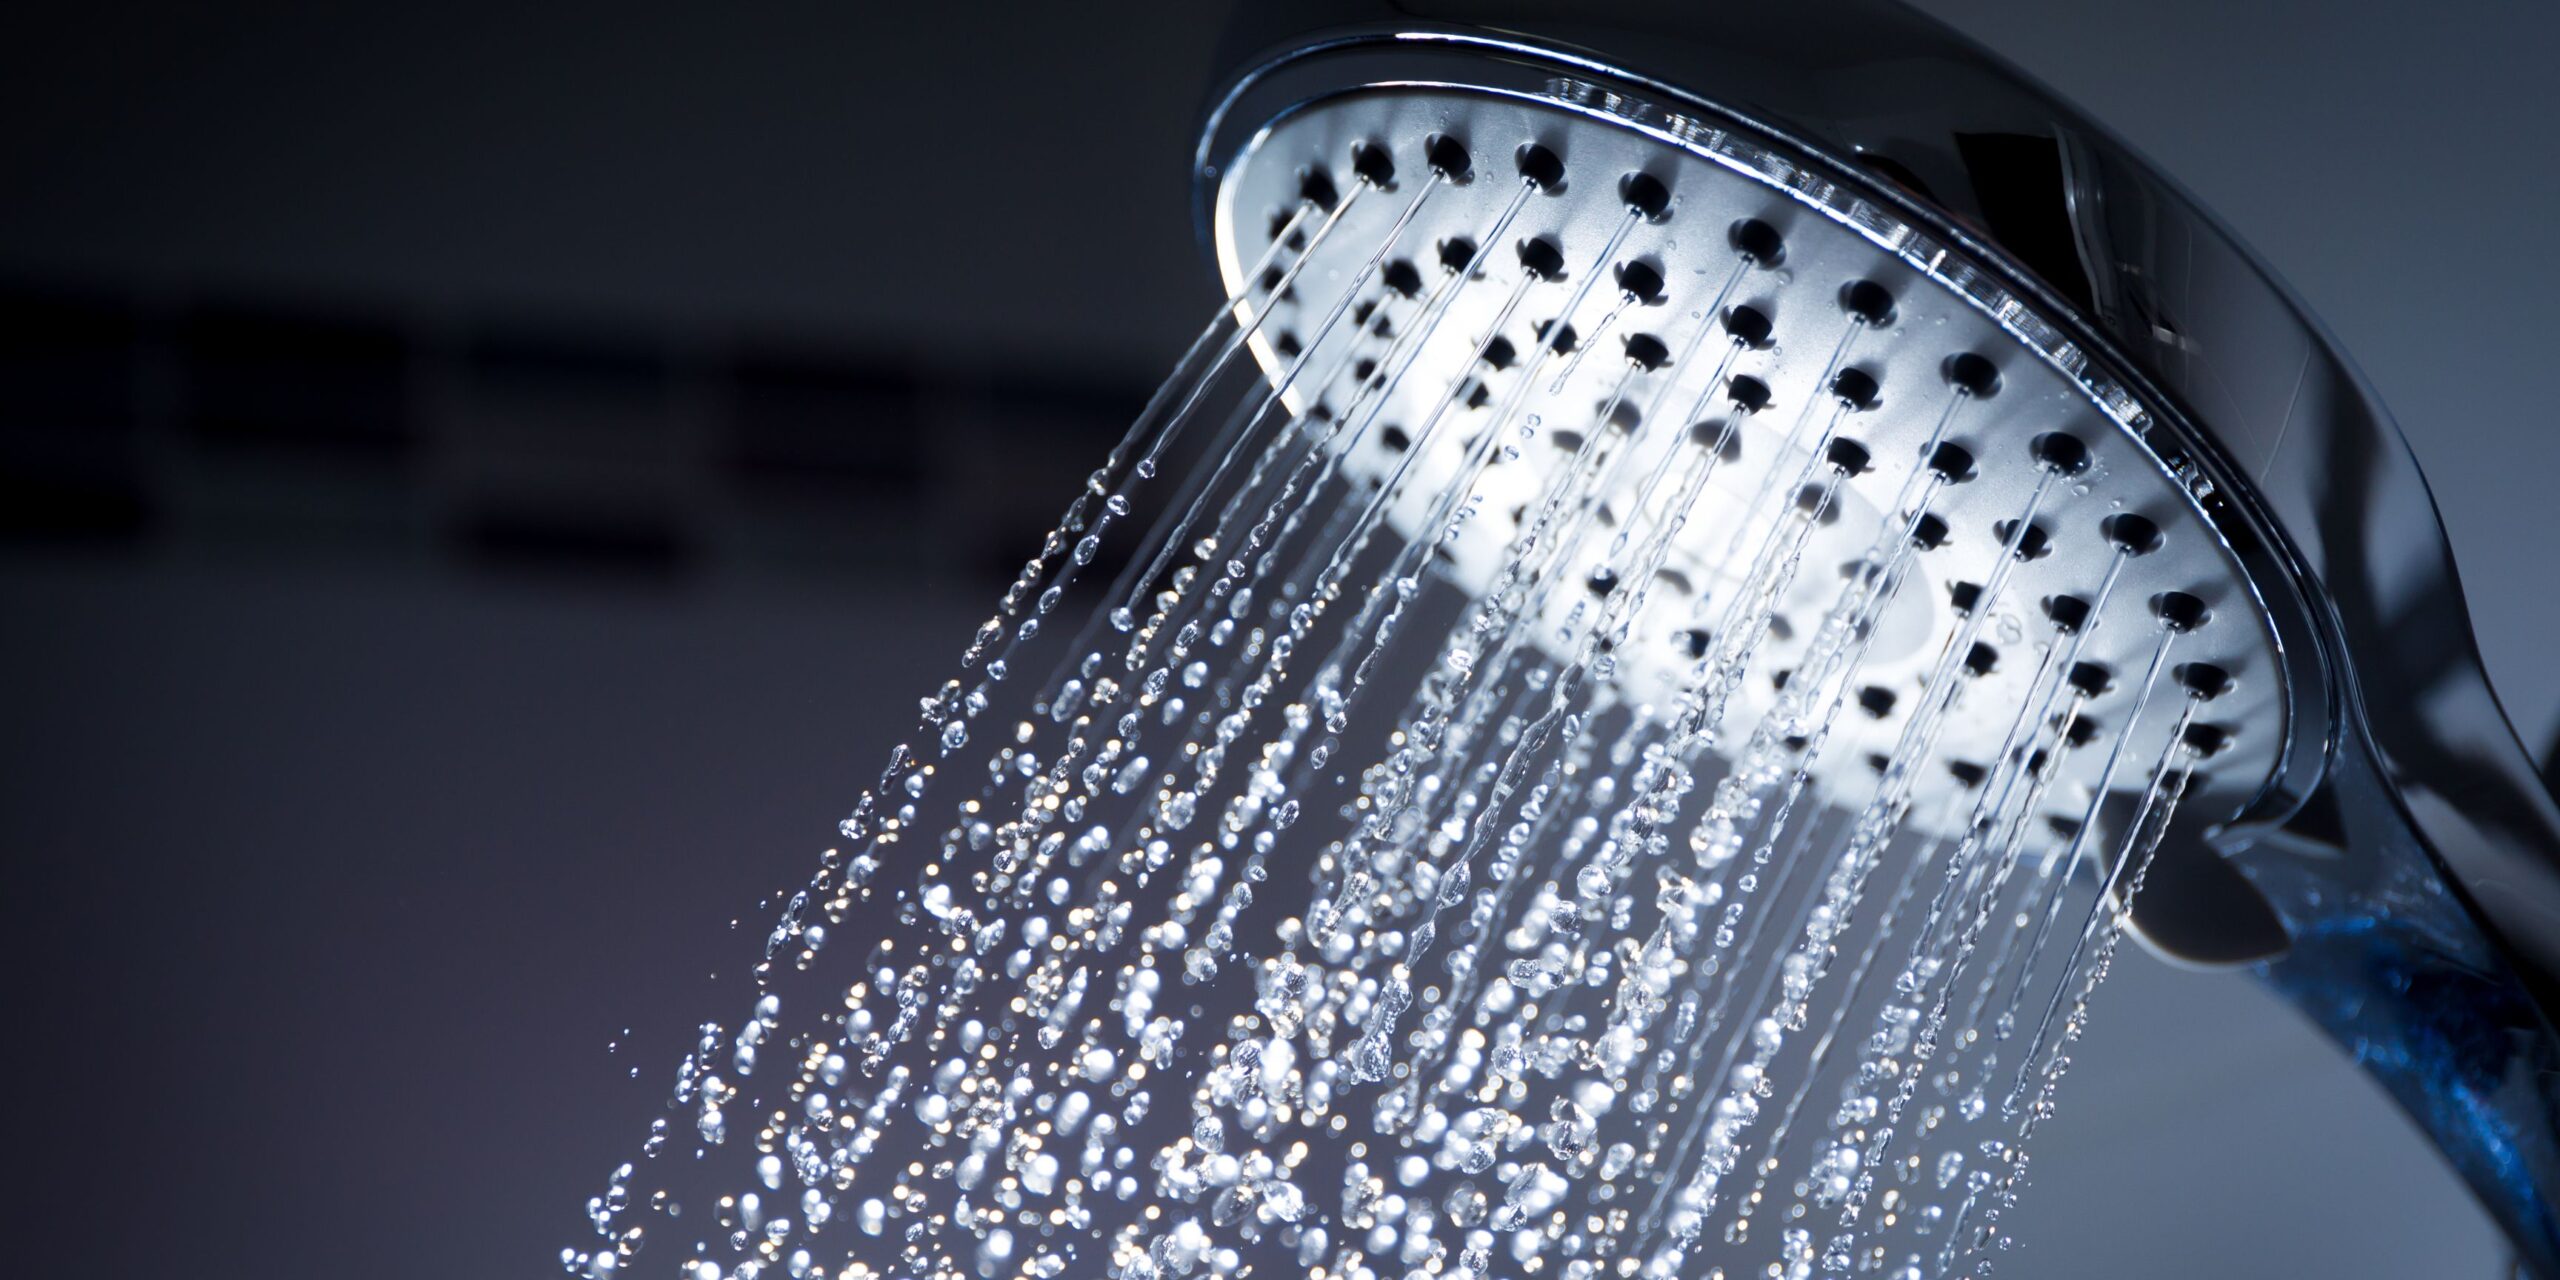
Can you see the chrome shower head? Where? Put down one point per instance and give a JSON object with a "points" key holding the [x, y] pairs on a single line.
{"points": [[1847, 191], [1857, 384]]}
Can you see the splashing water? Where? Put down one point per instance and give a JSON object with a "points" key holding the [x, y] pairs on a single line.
{"points": [[1311, 913]]}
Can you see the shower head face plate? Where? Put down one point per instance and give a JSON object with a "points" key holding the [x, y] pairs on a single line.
{"points": [[1863, 345]]}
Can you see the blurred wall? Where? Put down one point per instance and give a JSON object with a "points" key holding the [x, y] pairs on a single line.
{"points": [[480, 486]]}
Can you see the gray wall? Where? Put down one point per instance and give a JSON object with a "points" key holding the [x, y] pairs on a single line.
{"points": [[348, 821]]}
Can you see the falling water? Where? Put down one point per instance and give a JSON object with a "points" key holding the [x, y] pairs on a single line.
{"points": [[1299, 911]]}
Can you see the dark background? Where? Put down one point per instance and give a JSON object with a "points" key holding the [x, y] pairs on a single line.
{"points": [[481, 485]]}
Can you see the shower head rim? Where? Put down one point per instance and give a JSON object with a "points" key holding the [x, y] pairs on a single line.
{"points": [[1415, 57]]}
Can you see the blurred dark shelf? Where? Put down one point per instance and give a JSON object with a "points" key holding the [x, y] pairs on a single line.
{"points": [[137, 425]]}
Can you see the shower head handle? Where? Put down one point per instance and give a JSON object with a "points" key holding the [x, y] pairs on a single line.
{"points": [[2405, 840]]}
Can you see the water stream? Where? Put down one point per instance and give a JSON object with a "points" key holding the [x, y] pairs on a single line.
{"points": [[1280, 908]]}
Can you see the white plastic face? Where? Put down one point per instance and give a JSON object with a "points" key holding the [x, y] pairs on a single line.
{"points": [[1724, 592]]}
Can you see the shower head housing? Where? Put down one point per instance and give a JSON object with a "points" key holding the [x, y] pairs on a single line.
{"points": [[1940, 305]]}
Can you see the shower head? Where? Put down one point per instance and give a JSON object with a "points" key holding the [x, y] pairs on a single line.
{"points": [[1832, 356], [1922, 327]]}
